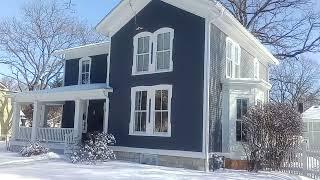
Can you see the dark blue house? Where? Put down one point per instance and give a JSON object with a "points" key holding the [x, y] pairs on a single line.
{"points": [[171, 84]]}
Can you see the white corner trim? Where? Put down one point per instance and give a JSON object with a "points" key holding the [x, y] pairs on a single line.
{"points": [[206, 88], [80, 69], [175, 153], [150, 124]]}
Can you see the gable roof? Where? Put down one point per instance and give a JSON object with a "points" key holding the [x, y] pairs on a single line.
{"points": [[209, 9], [312, 113]]}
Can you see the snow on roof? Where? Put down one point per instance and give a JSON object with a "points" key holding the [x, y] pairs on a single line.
{"points": [[85, 50], [82, 87], [312, 113]]}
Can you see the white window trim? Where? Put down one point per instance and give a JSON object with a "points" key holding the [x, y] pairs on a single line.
{"points": [[256, 69], [155, 45], [135, 51], [80, 69], [152, 51], [233, 55], [150, 125]]}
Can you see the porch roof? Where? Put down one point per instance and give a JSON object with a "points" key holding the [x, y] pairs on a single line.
{"points": [[67, 93]]}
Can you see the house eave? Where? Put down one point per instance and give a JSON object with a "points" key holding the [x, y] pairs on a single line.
{"points": [[88, 50]]}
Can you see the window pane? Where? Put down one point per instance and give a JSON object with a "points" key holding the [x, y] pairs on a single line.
{"points": [[238, 130], [236, 55], [146, 62], [238, 108], [166, 60], [160, 63], [158, 100], [140, 121], [166, 41], [157, 127], [146, 44], [160, 42], [142, 63], [165, 100], [140, 45], [164, 122], [229, 50], [244, 107], [316, 126]]}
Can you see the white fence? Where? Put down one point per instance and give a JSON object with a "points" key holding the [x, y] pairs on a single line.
{"points": [[56, 135], [24, 133], [303, 162]]}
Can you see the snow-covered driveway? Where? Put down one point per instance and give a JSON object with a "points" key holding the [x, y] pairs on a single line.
{"points": [[17, 168]]}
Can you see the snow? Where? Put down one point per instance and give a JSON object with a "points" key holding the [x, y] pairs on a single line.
{"points": [[52, 166]]}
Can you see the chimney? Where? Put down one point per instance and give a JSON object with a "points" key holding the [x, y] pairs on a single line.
{"points": [[300, 107]]}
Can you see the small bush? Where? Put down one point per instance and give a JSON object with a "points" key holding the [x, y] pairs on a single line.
{"points": [[33, 149], [94, 149]]}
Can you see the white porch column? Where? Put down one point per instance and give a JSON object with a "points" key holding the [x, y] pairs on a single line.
{"points": [[78, 116], [106, 115], [35, 120], [16, 119]]}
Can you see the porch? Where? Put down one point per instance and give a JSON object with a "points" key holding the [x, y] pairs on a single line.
{"points": [[39, 131]]}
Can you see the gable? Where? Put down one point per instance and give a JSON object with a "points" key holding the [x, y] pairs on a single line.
{"points": [[212, 11]]}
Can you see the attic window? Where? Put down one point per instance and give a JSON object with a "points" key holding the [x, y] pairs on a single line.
{"points": [[153, 52]]}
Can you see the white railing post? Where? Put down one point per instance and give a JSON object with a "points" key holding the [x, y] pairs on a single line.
{"points": [[304, 158], [16, 120], [36, 111]]}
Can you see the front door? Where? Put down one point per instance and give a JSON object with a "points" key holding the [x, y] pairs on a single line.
{"points": [[96, 115]]}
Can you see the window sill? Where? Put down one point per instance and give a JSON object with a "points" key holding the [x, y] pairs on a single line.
{"points": [[150, 135], [151, 72]]}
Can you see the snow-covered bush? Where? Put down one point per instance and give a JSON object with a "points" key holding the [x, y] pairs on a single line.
{"points": [[33, 149], [95, 149], [272, 130]]}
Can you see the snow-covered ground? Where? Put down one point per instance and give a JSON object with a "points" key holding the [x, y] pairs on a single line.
{"points": [[50, 167]]}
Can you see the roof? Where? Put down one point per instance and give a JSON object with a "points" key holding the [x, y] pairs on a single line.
{"points": [[84, 51], [312, 113], [209, 9], [67, 93]]}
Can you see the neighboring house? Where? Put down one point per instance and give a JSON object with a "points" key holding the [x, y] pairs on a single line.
{"points": [[5, 112], [171, 85], [311, 120]]}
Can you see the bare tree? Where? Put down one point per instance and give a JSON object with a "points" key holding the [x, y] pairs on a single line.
{"points": [[289, 27], [27, 43], [272, 131], [296, 81]]}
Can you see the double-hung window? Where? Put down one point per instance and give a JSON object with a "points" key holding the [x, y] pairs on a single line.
{"points": [[153, 52], [233, 56], [150, 110], [142, 53], [242, 108], [84, 70]]}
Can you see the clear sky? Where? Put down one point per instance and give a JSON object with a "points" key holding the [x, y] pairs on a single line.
{"points": [[90, 10]]}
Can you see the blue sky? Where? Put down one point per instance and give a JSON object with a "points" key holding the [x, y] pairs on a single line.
{"points": [[91, 11]]}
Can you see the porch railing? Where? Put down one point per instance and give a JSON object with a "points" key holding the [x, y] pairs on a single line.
{"points": [[56, 135], [24, 133]]}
